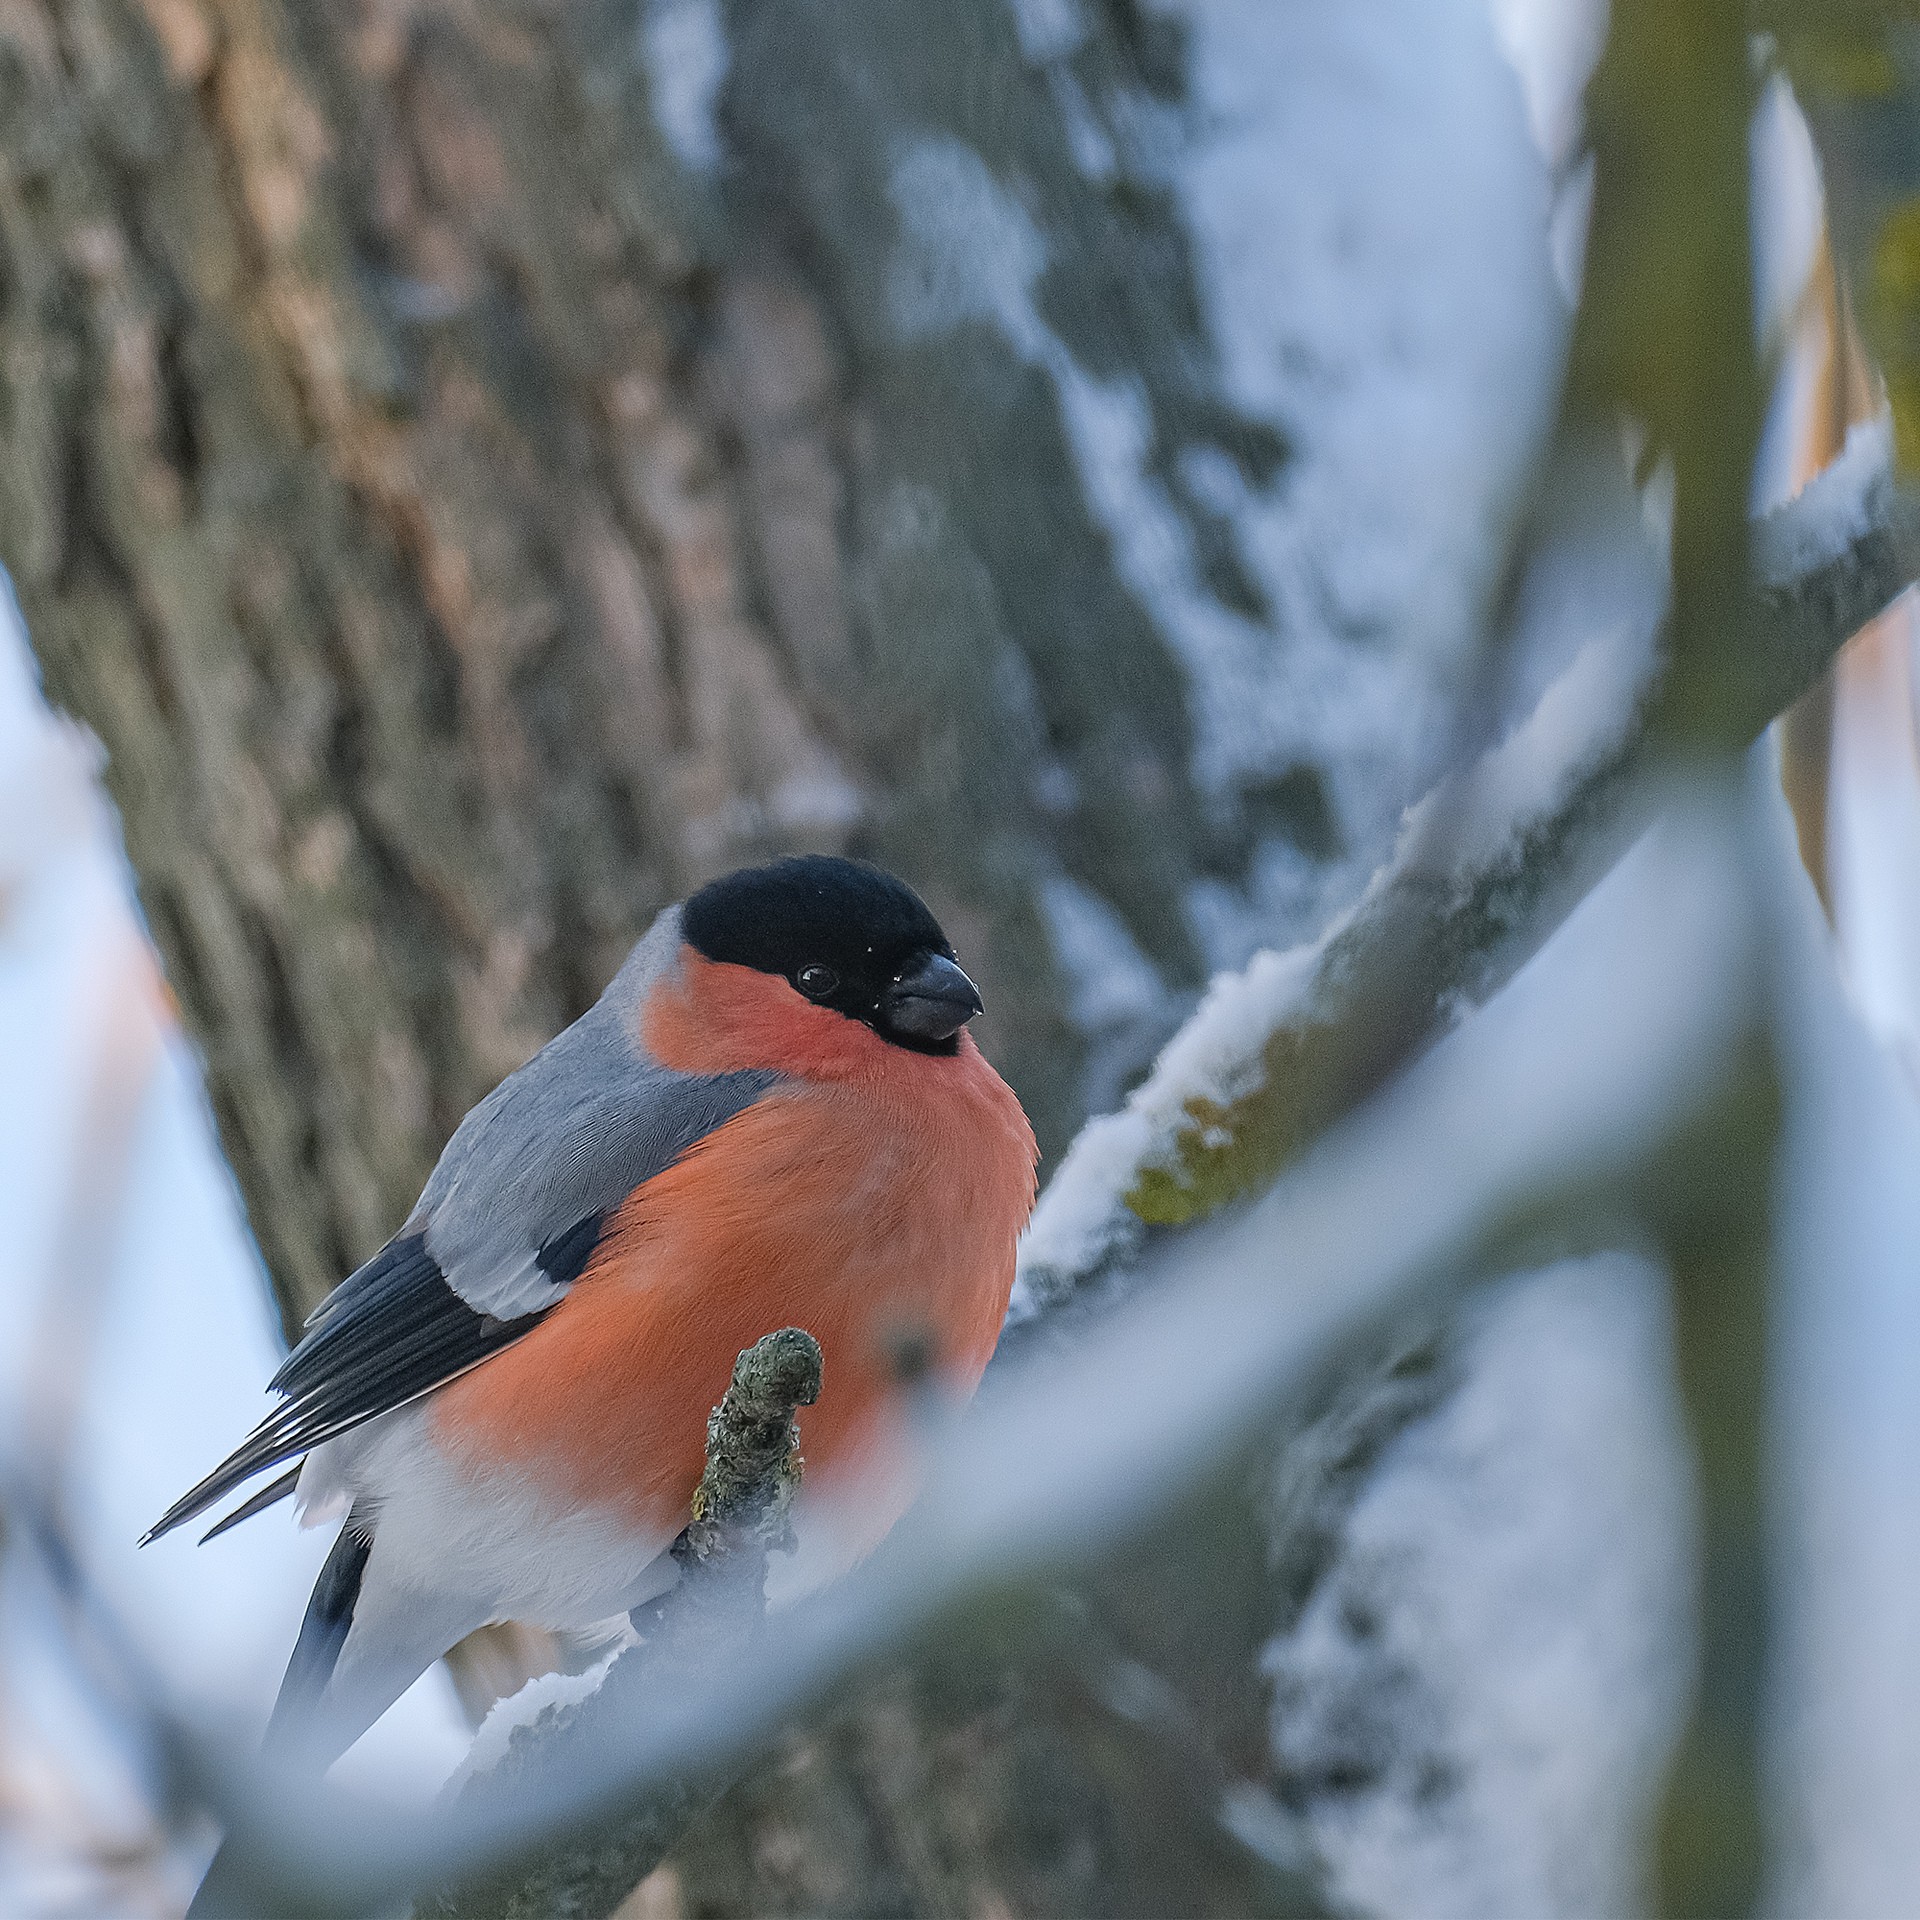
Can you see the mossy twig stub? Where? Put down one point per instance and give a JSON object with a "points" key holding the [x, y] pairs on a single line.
{"points": [[740, 1515], [753, 1457]]}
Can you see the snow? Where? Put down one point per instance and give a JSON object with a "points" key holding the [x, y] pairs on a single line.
{"points": [[1110, 982], [1080, 1222], [1790, 318], [969, 250], [1554, 46], [1518, 1563], [684, 53], [1478, 823], [1473, 1708], [557, 1691], [1847, 1698], [1370, 218], [1477, 1700], [1848, 1379], [1833, 509], [1873, 831], [1667, 891], [1494, 1657], [1789, 212], [1049, 29]]}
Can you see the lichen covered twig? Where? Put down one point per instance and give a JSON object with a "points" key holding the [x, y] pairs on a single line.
{"points": [[740, 1515]]}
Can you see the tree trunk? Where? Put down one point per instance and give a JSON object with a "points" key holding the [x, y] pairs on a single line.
{"points": [[468, 525], [483, 469]]}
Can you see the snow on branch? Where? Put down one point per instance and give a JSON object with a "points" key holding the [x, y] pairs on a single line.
{"points": [[1485, 868], [1569, 1080], [1555, 1082]]}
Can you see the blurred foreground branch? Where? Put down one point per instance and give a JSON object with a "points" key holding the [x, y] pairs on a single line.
{"points": [[1487, 866], [707, 1619], [1068, 1461], [1547, 1091]]}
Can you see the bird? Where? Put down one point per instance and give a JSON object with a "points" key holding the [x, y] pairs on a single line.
{"points": [[773, 1116]]}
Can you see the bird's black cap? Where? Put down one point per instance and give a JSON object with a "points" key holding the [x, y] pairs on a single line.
{"points": [[846, 935]]}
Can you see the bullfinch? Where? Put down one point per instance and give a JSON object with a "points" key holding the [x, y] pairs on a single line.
{"points": [[774, 1116]]}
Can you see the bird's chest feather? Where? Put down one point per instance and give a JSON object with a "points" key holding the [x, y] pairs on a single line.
{"points": [[876, 1209]]}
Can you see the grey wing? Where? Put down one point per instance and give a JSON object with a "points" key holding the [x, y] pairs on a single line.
{"points": [[506, 1224], [515, 1206], [516, 1203]]}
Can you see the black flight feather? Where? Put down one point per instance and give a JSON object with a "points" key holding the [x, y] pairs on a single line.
{"points": [[387, 1334], [269, 1496]]}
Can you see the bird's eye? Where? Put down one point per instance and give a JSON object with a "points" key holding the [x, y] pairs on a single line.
{"points": [[816, 982]]}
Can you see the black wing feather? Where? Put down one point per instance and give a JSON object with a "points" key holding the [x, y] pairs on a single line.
{"points": [[388, 1333], [563, 1259], [269, 1496]]}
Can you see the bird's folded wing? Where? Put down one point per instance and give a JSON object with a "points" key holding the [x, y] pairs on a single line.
{"points": [[402, 1332], [508, 1222]]}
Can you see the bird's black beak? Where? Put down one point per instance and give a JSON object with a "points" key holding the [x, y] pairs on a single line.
{"points": [[931, 1001]]}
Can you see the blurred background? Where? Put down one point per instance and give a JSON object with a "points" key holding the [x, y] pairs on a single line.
{"points": [[472, 470]]}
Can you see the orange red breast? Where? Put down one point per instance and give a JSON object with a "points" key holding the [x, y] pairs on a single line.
{"points": [[875, 1195]]}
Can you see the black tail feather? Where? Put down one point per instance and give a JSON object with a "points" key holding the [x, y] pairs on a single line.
{"points": [[229, 1891], [322, 1633]]}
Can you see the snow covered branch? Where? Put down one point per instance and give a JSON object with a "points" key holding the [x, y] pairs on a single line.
{"points": [[709, 1618], [1561, 1082], [1486, 867], [1556, 1086]]}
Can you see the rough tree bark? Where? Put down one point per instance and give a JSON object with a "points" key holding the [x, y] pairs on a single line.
{"points": [[467, 527], [469, 520]]}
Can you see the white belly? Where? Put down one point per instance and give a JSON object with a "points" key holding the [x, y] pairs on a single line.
{"points": [[496, 1545]]}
